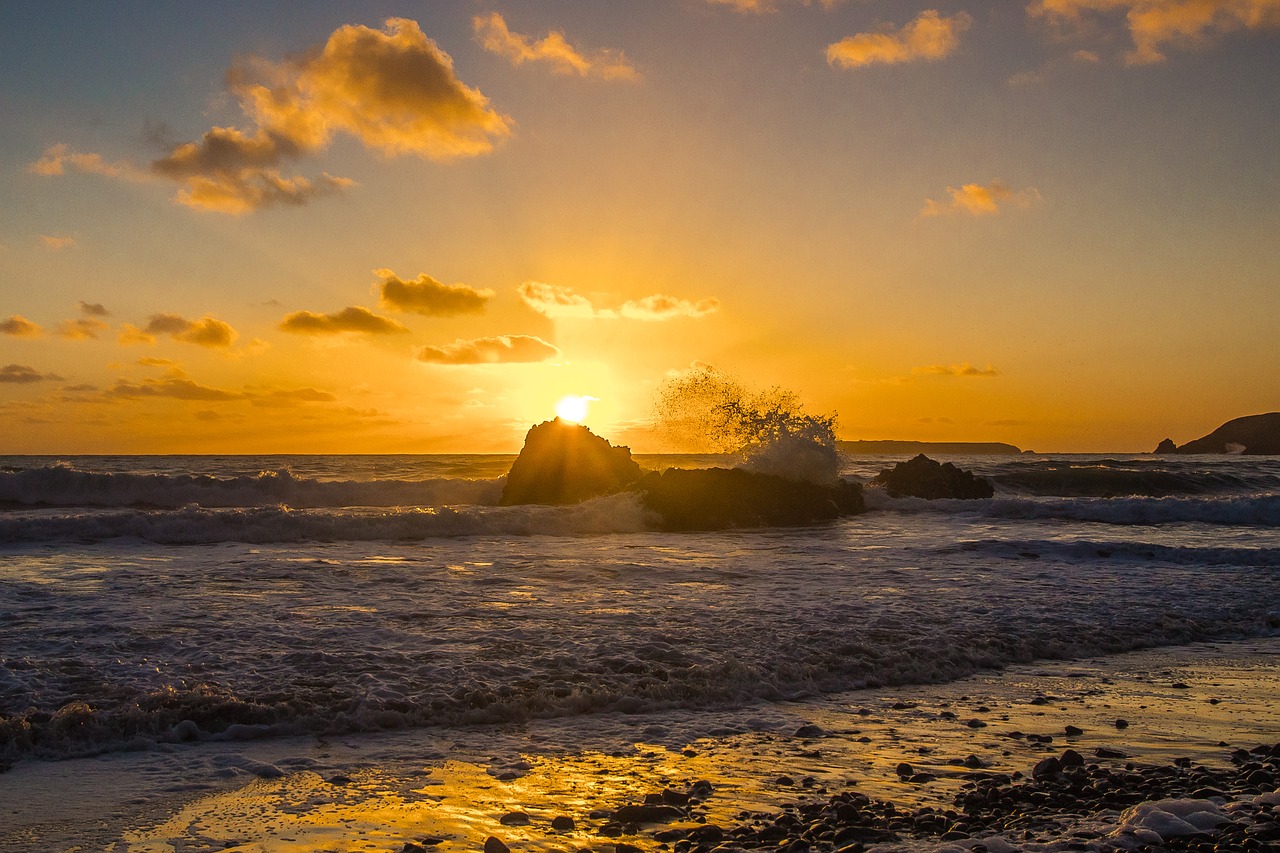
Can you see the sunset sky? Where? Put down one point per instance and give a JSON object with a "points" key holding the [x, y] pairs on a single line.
{"points": [[414, 226]]}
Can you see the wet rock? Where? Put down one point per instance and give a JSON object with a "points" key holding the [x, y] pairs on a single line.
{"points": [[922, 477], [810, 731], [1046, 768], [647, 814], [720, 498], [1073, 731], [562, 823], [494, 844], [564, 463], [514, 819], [906, 770], [1122, 723]]}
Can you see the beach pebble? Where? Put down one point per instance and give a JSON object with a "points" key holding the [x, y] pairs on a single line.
{"points": [[906, 770], [514, 819], [562, 823], [1122, 724], [494, 844], [810, 731], [1074, 731]]}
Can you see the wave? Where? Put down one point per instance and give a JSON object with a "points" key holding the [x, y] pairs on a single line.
{"points": [[1250, 510], [1121, 478], [195, 525], [1119, 551], [64, 486]]}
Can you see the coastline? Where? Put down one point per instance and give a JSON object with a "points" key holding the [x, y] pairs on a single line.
{"points": [[452, 788]]}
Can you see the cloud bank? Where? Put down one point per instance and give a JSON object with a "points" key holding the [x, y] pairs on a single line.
{"points": [[1154, 25], [206, 332], [352, 319], [493, 35], [558, 302], [425, 295], [502, 349], [20, 327], [759, 7], [21, 374], [931, 36], [393, 89]]}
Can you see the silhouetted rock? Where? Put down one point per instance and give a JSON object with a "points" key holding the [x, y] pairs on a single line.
{"points": [[564, 463], [1255, 435], [921, 477], [1166, 446], [718, 498]]}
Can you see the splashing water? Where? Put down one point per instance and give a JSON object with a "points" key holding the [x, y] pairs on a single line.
{"points": [[705, 411]]}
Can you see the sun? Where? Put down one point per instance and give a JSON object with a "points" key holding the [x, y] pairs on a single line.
{"points": [[573, 408]]}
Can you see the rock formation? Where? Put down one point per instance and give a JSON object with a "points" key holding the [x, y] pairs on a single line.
{"points": [[719, 498], [564, 463], [1255, 435], [921, 477]]}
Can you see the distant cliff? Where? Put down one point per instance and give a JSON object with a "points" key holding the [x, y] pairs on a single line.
{"points": [[936, 448], [1255, 435]]}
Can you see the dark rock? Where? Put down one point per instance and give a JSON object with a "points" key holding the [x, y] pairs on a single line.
{"points": [[1166, 446], [1255, 435], [562, 823], [624, 847], [1122, 724], [493, 844], [647, 814], [1104, 752], [921, 477], [905, 770], [514, 819], [1050, 766], [564, 463], [1071, 758], [719, 498], [1073, 731], [811, 731]]}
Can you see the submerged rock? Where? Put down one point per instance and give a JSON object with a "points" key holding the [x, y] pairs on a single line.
{"points": [[719, 498], [922, 477], [564, 463]]}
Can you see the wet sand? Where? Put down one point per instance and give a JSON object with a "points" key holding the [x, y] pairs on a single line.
{"points": [[450, 790]]}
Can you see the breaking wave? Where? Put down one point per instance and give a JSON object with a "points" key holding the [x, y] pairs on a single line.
{"points": [[64, 486], [196, 525]]}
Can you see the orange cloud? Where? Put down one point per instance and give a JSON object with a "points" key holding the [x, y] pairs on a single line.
{"points": [[205, 332], [425, 295], [763, 6], [1155, 24], [179, 389], [352, 319], [54, 243], [662, 307], [555, 301], [84, 328], [20, 327], [56, 159], [958, 370], [393, 89], [931, 36], [559, 303], [554, 49], [503, 349], [980, 200], [93, 309], [21, 374]]}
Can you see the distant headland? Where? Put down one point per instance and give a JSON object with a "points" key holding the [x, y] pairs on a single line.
{"points": [[935, 448], [1254, 435]]}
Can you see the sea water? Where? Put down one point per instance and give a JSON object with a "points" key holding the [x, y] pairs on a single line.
{"points": [[149, 602]]}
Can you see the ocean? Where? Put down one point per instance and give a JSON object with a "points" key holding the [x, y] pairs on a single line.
{"points": [[161, 602]]}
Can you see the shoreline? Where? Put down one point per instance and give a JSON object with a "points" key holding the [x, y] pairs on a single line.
{"points": [[380, 792]]}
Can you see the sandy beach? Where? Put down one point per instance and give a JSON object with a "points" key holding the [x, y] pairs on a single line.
{"points": [[1185, 707]]}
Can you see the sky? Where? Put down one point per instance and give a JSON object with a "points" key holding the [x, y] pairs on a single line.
{"points": [[395, 227]]}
